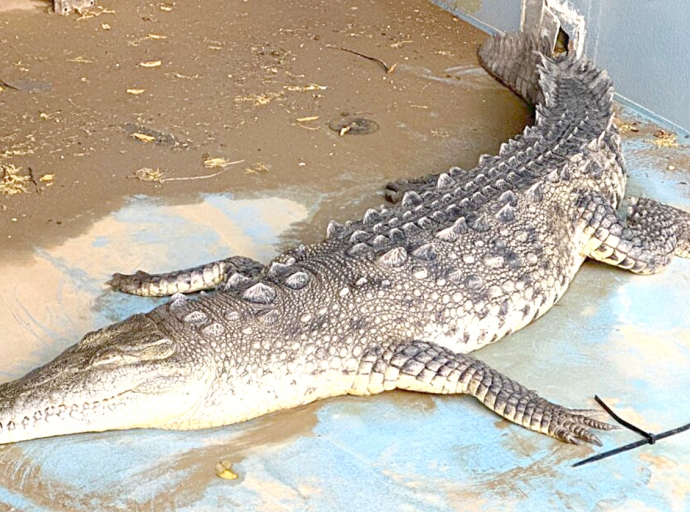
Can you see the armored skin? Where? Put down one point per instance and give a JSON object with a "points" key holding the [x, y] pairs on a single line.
{"points": [[394, 300]]}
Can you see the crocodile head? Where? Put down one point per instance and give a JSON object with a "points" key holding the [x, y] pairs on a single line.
{"points": [[127, 375]]}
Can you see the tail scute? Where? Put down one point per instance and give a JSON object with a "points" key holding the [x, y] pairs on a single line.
{"points": [[515, 59]]}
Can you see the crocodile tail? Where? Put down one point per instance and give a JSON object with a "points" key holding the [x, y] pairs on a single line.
{"points": [[524, 63], [516, 59]]}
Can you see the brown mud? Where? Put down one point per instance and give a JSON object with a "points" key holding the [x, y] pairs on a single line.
{"points": [[133, 97]]}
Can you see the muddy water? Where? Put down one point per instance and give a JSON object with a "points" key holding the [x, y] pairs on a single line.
{"points": [[256, 82], [89, 101]]}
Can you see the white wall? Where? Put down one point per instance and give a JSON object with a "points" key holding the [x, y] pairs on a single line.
{"points": [[642, 44]]}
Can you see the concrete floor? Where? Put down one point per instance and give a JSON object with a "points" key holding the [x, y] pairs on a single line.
{"points": [[620, 336]]}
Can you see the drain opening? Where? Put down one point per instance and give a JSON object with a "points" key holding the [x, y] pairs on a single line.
{"points": [[562, 45]]}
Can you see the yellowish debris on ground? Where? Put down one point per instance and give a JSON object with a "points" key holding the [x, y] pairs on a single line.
{"points": [[148, 174], [11, 182], [224, 470], [664, 139]]}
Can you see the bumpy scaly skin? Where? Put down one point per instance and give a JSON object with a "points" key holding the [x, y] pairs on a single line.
{"points": [[394, 300]]}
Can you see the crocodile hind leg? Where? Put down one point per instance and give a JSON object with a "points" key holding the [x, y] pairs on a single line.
{"points": [[643, 243], [190, 280], [430, 368]]}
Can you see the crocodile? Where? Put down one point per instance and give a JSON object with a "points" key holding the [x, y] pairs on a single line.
{"points": [[394, 300]]}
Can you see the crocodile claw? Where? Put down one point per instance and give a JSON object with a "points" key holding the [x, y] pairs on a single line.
{"points": [[572, 425]]}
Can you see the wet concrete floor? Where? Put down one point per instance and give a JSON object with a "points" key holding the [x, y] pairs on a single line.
{"points": [[237, 84]]}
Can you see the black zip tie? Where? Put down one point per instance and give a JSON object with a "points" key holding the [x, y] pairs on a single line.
{"points": [[649, 438]]}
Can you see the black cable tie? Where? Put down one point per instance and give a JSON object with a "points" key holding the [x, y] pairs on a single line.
{"points": [[620, 420], [649, 438]]}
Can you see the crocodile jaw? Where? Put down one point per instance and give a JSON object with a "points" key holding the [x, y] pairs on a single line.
{"points": [[124, 376]]}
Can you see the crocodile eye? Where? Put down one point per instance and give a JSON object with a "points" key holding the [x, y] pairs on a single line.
{"points": [[139, 353], [149, 351], [110, 357]]}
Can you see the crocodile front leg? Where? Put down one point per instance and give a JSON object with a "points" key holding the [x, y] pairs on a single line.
{"points": [[643, 243], [190, 280], [430, 368]]}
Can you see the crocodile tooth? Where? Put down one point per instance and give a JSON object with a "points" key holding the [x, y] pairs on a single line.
{"points": [[278, 269], [358, 249], [334, 229], [396, 235], [394, 258], [260, 293], [379, 241], [372, 216], [506, 213], [299, 280], [359, 236], [452, 233], [535, 192], [411, 229], [411, 199], [444, 181], [424, 252], [508, 197], [480, 223]]}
